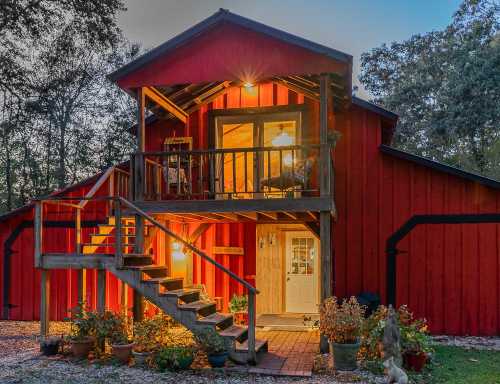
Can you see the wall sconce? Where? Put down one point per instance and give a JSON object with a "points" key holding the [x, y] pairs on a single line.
{"points": [[262, 242], [177, 253], [272, 239]]}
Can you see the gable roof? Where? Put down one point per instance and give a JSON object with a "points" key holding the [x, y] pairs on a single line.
{"points": [[223, 15], [398, 153]]}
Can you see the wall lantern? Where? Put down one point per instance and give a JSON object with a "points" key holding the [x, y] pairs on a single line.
{"points": [[177, 253]]}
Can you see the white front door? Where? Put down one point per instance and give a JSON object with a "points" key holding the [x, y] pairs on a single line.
{"points": [[301, 272]]}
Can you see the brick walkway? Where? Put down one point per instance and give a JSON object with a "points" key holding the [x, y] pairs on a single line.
{"points": [[290, 353]]}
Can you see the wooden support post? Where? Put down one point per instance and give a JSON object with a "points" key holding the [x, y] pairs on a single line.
{"points": [[38, 224], [139, 176], [44, 303], [101, 290], [138, 307], [82, 285], [252, 357], [118, 234], [325, 191]]}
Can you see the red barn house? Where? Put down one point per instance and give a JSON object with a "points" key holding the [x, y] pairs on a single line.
{"points": [[257, 173]]}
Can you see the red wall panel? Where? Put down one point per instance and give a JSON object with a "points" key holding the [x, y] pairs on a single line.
{"points": [[450, 273]]}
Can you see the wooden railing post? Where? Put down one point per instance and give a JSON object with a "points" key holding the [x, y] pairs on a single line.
{"points": [[38, 225], [44, 303], [78, 231], [118, 234], [252, 358]]}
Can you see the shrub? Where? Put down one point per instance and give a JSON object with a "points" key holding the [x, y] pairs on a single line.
{"points": [[174, 358], [341, 323], [238, 303], [150, 334], [83, 323], [414, 333], [210, 341]]}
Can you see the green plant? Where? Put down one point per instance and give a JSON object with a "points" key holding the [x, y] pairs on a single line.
{"points": [[238, 303], [414, 334], [210, 341], [83, 323], [341, 323], [174, 358], [150, 333]]}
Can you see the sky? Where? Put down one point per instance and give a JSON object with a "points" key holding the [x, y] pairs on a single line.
{"points": [[351, 26]]}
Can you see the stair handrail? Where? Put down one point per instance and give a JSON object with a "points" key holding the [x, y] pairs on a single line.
{"points": [[186, 243], [252, 291]]}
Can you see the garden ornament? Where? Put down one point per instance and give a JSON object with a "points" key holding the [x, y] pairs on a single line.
{"points": [[392, 337], [394, 373]]}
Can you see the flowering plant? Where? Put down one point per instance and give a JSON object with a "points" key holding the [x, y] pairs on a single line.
{"points": [[341, 323]]}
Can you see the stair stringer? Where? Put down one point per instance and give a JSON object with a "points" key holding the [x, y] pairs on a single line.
{"points": [[169, 305]]}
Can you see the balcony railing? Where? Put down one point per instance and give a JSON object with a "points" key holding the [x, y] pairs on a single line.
{"points": [[235, 173]]}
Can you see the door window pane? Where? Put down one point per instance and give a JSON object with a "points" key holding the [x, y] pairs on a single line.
{"points": [[303, 255]]}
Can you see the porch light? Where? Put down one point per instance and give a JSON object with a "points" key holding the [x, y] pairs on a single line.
{"points": [[177, 253], [248, 84], [283, 139]]}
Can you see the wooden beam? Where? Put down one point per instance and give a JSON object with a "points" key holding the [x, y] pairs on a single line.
{"points": [[249, 215], [44, 303], [199, 230], [271, 215], [209, 97], [75, 261], [314, 228], [138, 306], [292, 215], [166, 103], [223, 207], [227, 215]]}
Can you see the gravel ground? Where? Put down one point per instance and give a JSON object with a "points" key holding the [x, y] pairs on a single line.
{"points": [[16, 336], [472, 342], [21, 362]]}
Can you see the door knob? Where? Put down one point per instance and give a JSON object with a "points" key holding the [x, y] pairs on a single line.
{"points": [[287, 279]]}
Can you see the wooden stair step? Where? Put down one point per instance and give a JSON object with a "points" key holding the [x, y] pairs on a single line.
{"points": [[236, 332], [150, 270], [221, 320], [186, 295], [170, 283], [203, 308], [259, 344]]}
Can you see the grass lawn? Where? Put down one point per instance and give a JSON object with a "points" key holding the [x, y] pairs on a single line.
{"points": [[462, 366]]}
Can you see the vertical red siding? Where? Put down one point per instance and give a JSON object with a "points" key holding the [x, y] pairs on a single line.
{"points": [[450, 273]]}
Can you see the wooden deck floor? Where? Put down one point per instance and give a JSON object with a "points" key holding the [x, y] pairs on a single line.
{"points": [[290, 353]]}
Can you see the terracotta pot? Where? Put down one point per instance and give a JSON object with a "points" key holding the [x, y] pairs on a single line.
{"points": [[140, 358], [415, 361], [122, 351], [82, 348]]}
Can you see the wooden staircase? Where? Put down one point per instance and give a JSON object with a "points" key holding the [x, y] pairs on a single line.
{"points": [[184, 304]]}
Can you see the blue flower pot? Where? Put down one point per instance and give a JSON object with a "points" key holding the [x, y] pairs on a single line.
{"points": [[217, 360]]}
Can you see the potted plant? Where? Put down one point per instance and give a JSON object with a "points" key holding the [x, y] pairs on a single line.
{"points": [[50, 346], [174, 358], [415, 344], [238, 306], [82, 332], [342, 325], [214, 346], [121, 345], [148, 337]]}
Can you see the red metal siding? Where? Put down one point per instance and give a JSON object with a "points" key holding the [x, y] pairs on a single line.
{"points": [[450, 274]]}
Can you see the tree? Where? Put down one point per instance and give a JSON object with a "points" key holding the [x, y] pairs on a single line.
{"points": [[58, 111], [445, 85]]}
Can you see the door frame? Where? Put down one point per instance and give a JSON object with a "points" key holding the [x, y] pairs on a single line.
{"points": [[317, 266]]}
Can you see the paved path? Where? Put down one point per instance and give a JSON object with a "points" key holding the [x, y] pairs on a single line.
{"points": [[290, 353]]}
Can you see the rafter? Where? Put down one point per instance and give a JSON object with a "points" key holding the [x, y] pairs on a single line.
{"points": [[164, 102]]}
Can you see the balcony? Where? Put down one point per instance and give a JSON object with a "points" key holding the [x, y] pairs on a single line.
{"points": [[255, 178]]}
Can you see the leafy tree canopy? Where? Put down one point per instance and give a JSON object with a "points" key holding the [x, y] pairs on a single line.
{"points": [[445, 85]]}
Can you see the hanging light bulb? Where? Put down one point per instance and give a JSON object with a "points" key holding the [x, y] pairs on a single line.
{"points": [[283, 139]]}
